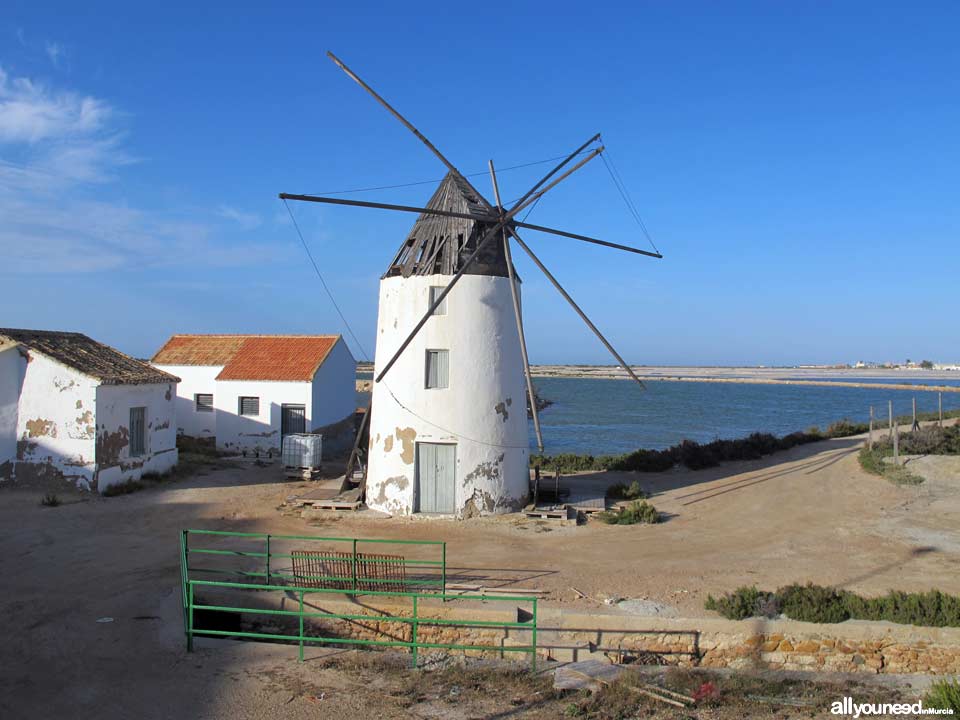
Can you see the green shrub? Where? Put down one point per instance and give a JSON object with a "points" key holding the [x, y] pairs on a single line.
{"points": [[645, 461], [696, 456], [944, 694], [743, 603], [621, 491], [873, 462], [815, 603], [846, 428], [639, 511], [50, 500]]}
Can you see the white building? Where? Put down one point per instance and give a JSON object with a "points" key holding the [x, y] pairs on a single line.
{"points": [[247, 391], [75, 410], [448, 425]]}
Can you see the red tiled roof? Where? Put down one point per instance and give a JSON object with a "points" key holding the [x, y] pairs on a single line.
{"points": [[199, 350], [251, 357]]}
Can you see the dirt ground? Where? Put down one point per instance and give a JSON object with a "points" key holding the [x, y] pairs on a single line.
{"points": [[806, 514]]}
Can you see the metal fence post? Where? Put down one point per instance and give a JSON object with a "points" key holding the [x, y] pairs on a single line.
{"points": [[870, 435], [916, 425], [354, 564], [301, 626], [533, 637], [896, 446], [268, 561], [940, 406], [413, 632], [890, 409], [443, 585], [190, 617]]}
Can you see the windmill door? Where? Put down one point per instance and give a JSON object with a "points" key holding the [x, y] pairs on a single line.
{"points": [[435, 478]]}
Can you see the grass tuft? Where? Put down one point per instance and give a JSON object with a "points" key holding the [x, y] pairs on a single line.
{"points": [[637, 512], [50, 500], [944, 694]]}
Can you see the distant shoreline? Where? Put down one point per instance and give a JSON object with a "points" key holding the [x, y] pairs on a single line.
{"points": [[805, 376]]}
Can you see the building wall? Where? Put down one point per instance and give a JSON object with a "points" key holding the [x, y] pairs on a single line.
{"points": [[113, 402], [483, 410], [334, 395], [13, 366], [194, 379], [260, 434], [55, 422]]}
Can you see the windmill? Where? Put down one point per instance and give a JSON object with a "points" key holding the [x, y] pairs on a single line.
{"points": [[448, 427]]}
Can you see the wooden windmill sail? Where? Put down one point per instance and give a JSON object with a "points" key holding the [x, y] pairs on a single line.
{"points": [[459, 234]]}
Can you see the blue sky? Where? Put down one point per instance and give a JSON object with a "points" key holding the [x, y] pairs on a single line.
{"points": [[797, 163]]}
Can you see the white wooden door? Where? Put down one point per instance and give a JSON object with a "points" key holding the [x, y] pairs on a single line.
{"points": [[435, 477]]}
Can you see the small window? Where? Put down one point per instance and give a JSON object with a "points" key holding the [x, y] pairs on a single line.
{"points": [[138, 431], [204, 402], [249, 406], [435, 291], [438, 368]]}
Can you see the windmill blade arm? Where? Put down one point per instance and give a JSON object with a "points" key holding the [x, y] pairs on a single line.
{"points": [[531, 198], [406, 123], [580, 312], [387, 206], [595, 241], [553, 172], [518, 317]]}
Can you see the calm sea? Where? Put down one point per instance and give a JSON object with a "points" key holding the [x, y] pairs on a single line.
{"points": [[615, 416]]}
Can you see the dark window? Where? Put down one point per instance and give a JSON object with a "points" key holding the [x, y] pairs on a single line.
{"points": [[249, 406], [438, 368], [204, 402], [138, 445]]}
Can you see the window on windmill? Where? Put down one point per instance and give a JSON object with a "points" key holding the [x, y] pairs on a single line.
{"points": [[204, 402], [438, 369], [435, 291], [249, 406]]}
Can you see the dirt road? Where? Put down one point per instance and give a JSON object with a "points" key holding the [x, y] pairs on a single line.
{"points": [[807, 514]]}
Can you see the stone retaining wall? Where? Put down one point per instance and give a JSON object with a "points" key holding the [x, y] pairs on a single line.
{"points": [[850, 647]]}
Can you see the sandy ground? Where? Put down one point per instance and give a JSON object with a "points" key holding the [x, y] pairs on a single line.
{"points": [[809, 514]]}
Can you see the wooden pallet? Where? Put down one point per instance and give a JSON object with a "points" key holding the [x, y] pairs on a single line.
{"points": [[302, 473], [328, 499], [552, 513]]}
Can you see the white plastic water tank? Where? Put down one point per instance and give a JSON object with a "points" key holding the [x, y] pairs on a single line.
{"points": [[302, 450]]}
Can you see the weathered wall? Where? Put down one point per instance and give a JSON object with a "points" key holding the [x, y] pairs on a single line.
{"points": [[114, 463], [194, 379], [483, 410], [334, 395], [261, 434], [861, 647], [55, 426], [13, 366]]}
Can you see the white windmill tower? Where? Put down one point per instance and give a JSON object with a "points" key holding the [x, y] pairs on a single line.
{"points": [[448, 421]]}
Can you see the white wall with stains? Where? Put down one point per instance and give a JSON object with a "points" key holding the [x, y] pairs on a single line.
{"points": [[114, 461], [483, 410], [261, 433], [194, 379], [69, 427], [56, 431]]}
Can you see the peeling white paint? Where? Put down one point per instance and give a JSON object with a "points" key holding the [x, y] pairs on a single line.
{"points": [[486, 371], [58, 418]]}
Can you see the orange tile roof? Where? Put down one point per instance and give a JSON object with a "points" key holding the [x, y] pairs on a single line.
{"points": [[199, 350], [251, 357]]}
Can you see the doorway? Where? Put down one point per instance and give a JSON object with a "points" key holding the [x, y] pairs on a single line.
{"points": [[436, 474], [293, 419]]}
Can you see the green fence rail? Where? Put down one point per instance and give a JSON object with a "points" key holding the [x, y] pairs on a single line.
{"points": [[304, 614], [272, 570]]}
